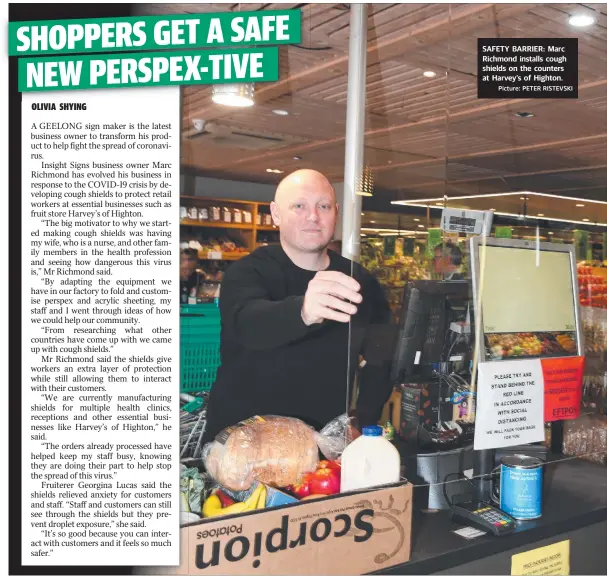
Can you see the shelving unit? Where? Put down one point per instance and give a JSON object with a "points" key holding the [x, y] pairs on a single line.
{"points": [[244, 234]]}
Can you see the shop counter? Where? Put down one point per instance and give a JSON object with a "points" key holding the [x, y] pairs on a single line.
{"points": [[575, 509]]}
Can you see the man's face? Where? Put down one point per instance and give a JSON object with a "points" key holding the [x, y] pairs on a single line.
{"points": [[307, 217], [442, 263], [187, 266]]}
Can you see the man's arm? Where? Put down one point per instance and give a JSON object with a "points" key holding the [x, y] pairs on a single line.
{"points": [[257, 322]]}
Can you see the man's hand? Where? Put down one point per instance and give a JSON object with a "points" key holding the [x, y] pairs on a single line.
{"points": [[329, 296]]}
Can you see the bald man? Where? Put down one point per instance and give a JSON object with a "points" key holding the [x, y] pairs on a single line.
{"points": [[285, 314]]}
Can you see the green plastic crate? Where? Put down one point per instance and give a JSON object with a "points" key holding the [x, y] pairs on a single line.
{"points": [[200, 328]]}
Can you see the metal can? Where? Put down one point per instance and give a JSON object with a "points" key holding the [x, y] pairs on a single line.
{"points": [[521, 483]]}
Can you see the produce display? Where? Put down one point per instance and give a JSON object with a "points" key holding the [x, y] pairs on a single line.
{"points": [[529, 344], [221, 504], [324, 481], [592, 287], [392, 272]]}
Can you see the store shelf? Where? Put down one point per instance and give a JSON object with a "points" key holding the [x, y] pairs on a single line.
{"points": [[267, 228], [217, 225], [209, 255]]}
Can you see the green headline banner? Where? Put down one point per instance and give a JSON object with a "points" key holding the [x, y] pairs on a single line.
{"points": [[148, 69], [155, 32]]}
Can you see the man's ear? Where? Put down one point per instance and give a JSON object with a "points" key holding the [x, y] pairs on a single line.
{"points": [[337, 207], [275, 211]]}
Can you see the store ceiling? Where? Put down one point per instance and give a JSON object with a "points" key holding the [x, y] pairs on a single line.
{"points": [[424, 136]]}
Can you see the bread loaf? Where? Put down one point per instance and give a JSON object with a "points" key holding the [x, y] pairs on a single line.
{"points": [[272, 449]]}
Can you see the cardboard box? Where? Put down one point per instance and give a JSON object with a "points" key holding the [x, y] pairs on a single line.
{"points": [[351, 533]]}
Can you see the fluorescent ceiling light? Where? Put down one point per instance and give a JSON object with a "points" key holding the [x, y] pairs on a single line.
{"points": [[281, 112], [394, 231], [426, 202], [415, 219], [586, 220], [235, 95], [579, 205], [581, 20], [540, 214], [274, 170], [430, 74]]}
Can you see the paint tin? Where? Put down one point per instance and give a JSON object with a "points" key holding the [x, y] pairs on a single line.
{"points": [[521, 483]]}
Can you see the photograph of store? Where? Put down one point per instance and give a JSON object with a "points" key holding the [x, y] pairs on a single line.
{"points": [[382, 101]]}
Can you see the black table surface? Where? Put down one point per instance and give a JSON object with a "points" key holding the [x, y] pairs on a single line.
{"points": [[575, 495]]}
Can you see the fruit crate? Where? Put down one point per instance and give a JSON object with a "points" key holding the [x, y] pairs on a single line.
{"points": [[200, 327]]}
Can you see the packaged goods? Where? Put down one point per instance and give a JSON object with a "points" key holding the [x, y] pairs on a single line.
{"points": [[274, 450], [586, 438], [369, 461]]}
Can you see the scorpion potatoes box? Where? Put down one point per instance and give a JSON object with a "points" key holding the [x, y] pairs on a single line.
{"points": [[353, 533]]}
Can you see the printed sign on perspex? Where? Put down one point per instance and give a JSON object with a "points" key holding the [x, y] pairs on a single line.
{"points": [[510, 404], [563, 379]]}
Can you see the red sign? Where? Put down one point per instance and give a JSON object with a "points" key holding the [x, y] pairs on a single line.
{"points": [[562, 387]]}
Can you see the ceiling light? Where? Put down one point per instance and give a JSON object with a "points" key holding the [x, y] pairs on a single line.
{"points": [[586, 220], [551, 233], [235, 95], [430, 74], [297, 158], [415, 219], [525, 114], [492, 209], [523, 198], [281, 112], [372, 221], [579, 205], [274, 170], [439, 204], [540, 214], [453, 200], [424, 201], [420, 226], [581, 20]]}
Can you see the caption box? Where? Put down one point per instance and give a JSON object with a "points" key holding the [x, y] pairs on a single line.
{"points": [[527, 68]]}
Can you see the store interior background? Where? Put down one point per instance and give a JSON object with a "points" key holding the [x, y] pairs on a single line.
{"points": [[539, 164], [427, 135]]}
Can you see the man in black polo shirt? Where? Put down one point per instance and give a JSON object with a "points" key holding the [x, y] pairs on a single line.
{"points": [[286, 348]]}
